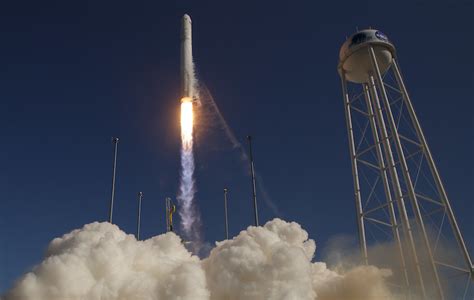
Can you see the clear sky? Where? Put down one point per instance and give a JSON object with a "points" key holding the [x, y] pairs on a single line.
{"points": [[73, 74]]}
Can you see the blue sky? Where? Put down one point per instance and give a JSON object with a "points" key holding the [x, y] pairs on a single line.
{"points": [[75, 74]]}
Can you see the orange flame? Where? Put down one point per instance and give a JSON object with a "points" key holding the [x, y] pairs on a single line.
{"points": [[187, 119]]}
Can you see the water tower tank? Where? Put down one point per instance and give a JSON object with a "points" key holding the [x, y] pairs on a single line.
{"points": [[354, 59]]}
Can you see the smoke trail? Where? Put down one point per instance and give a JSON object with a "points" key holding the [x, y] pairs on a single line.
{"points": [[186, 187], [207, 98]]}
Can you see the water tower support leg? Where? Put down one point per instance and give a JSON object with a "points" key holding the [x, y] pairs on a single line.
{"points": [[432, 166], [406, 174], [355, 173], [386, 186]]}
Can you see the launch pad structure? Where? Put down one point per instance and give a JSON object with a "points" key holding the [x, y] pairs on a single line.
{"points": [[401, 202]]}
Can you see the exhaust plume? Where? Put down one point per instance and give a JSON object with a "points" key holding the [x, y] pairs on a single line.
{"points": [[190, 219]]}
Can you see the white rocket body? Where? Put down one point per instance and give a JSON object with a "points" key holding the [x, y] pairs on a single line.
{"points": [[187, 67]]}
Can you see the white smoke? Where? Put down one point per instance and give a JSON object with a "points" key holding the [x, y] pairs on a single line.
{"points": [[186, 191], [100, 262], [274, 262], [271, 262]]}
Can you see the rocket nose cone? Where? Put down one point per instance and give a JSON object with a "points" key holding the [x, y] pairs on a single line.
{"points": [[187, 18]]}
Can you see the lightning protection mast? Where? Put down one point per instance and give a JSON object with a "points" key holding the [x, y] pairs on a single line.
{"points": [[400, 200], [139, 214], [115, 141], [226, 220], [254, 186]]}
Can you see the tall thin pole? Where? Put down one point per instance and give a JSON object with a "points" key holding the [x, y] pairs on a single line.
{"points": [[140, 197], [167, 213], [225, 214], [115, 140], [254, 189], [355, 173]]}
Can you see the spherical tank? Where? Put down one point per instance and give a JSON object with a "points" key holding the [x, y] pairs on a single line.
{"points": [[354, 58]]}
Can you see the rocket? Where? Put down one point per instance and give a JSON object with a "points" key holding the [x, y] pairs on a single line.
{"points": [[187, 66]]}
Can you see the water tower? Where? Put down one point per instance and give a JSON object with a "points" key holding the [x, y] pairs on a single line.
{"points": [[404, 217]]}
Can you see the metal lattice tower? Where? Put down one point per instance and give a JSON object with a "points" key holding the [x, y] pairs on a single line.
{"points": [[404, 217]]}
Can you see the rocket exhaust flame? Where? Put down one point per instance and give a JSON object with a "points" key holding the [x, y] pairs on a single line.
{"points": [[187, 119], [186, 189]]}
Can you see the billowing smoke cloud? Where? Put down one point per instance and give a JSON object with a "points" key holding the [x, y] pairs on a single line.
{"points": [[100, 262], [274, 262], [271, 262]]}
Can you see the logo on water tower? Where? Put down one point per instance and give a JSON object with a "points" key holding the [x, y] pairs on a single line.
{"points": [[381, 36]]}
